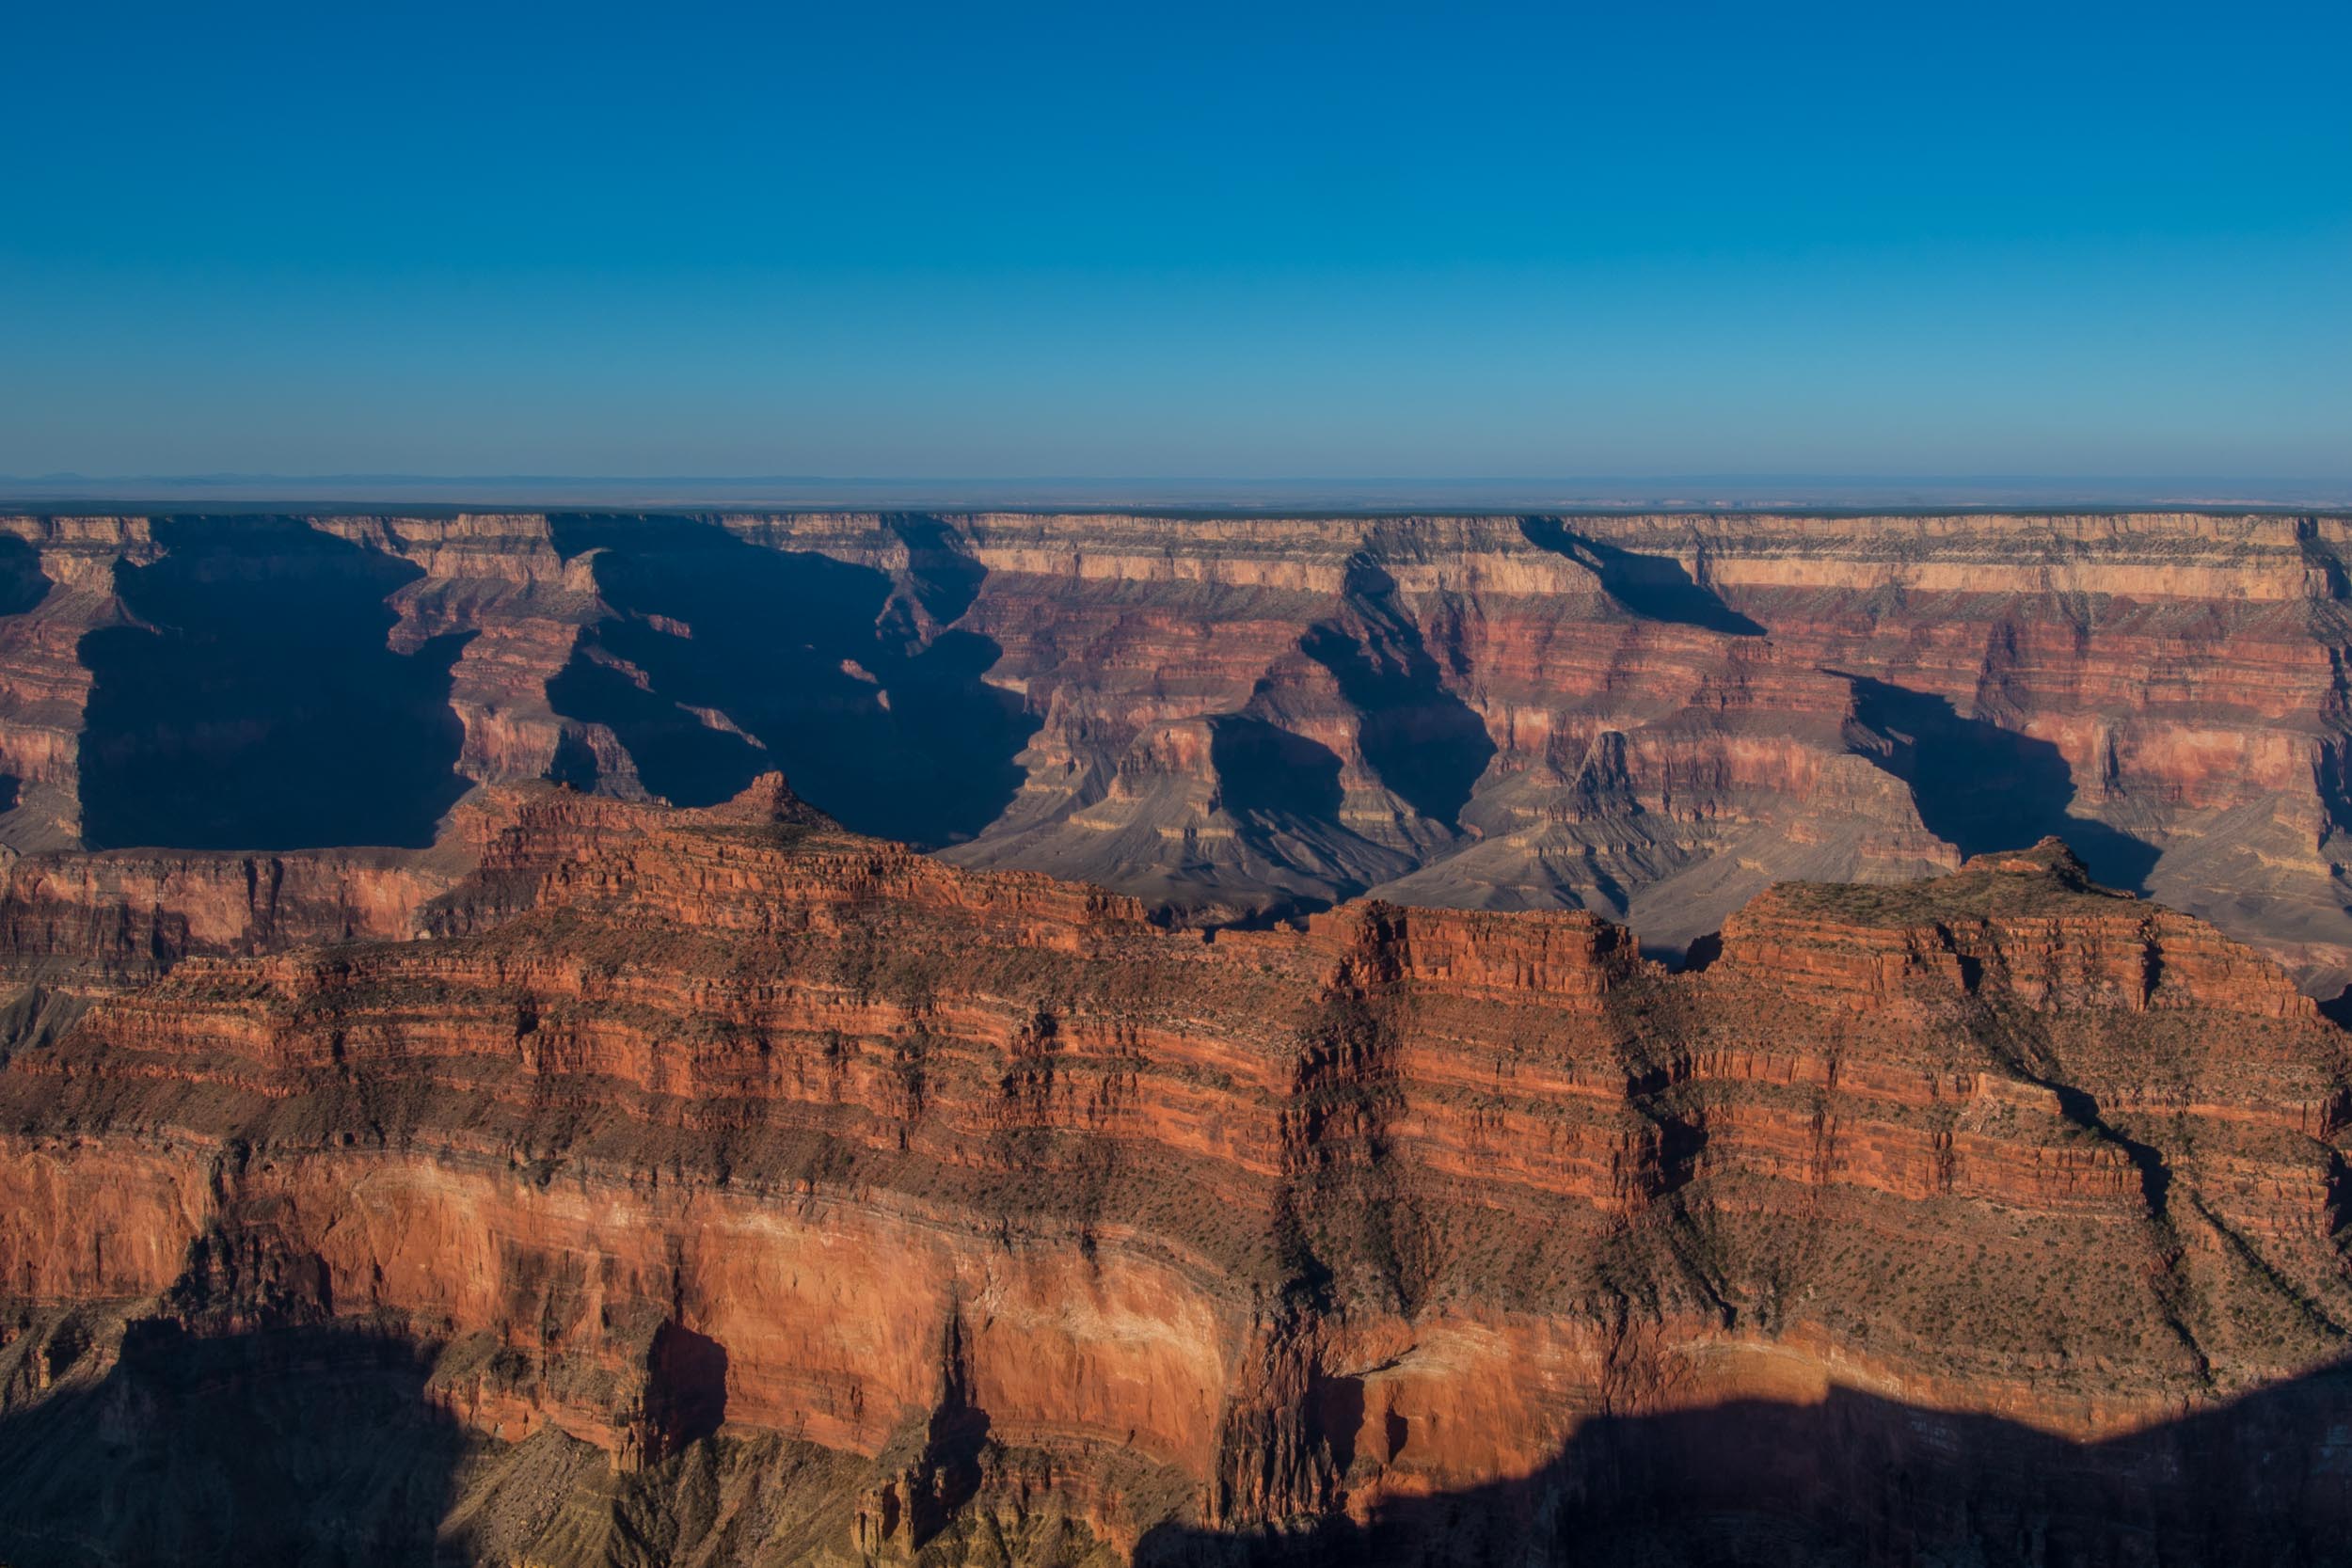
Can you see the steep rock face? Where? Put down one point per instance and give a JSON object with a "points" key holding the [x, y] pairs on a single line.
{"points": [[1653, 717], [80, 924], [725, 1181], [56, 585], [1667, 699], [498, 583]]}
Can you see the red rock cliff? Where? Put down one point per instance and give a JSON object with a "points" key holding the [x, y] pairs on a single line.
{"points": [[702, 1158]]}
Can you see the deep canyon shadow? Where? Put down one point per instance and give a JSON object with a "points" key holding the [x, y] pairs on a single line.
{"points": [[727, 659], [261, 706], [1861, 1480], [289, 1446], [1653, 586], [1427, 745], [1267, 771], [22, 584], [686, 1391], [1984, 788]]}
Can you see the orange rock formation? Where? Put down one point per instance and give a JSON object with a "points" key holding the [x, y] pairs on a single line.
{"points": [[723, 1186]]}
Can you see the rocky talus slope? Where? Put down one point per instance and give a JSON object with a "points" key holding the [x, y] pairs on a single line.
{"points": [[608, 1183], [1651, 718]]}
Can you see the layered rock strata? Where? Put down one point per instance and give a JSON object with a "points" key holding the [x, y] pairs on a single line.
{"points": [[1652, 718], [722, 1186]]}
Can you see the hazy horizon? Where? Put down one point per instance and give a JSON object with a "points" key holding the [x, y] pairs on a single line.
{"points": [[1225, 246], [1148, 492]]}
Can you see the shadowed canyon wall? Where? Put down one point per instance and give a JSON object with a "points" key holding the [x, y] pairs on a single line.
{"points": [[1236, 720]]}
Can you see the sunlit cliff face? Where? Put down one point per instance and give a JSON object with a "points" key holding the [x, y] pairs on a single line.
{"points": [[729, 1182]]}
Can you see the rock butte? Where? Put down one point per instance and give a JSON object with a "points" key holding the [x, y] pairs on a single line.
{"points": [[612, 1182], [1650, 717]]}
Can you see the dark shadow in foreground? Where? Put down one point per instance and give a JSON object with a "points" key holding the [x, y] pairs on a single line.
{"points": [[295, 1446], [1983, 788], [1859, 1479], [317, 1445]]}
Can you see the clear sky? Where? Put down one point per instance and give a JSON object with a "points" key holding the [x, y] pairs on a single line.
{"points": [[1185, 239]]}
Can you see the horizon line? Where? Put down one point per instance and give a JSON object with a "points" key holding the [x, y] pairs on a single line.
{"points": [[1705, 492]]}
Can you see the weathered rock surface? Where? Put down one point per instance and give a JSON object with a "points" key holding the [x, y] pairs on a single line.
{"points": [[1653, 717], [721, 1186]]}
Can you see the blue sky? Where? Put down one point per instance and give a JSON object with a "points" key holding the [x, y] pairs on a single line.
{"points": [[1347, 240]]}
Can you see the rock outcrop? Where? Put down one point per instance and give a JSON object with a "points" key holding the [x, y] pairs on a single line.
{"points": [[723, 1186]]}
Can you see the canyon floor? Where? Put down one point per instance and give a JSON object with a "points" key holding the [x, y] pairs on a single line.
{"points": [[1421, 1040]]}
